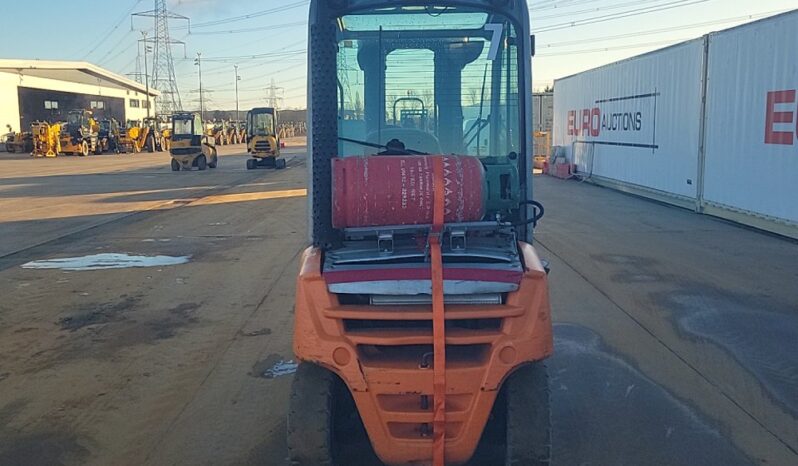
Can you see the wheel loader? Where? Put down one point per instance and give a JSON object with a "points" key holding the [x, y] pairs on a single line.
{"points": [[79, 135], [422, 314], [263, 143], [191, 146]]}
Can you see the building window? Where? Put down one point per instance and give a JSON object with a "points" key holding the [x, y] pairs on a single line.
{"points": [[97, 104], [145, 103], [51, 104], [134, 103]]}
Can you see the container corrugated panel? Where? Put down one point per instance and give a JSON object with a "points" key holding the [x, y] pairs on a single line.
{"points": [[543, 106], [637, 121], [751, 161]]}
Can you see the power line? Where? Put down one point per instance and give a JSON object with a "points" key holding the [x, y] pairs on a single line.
{"points": [[617, 47], [659, 31], [253, 29], [596, 9], [112, 30], [624, 14], [113, 49], [247, 16]]}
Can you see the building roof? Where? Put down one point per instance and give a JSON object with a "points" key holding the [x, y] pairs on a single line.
{"points": [[73, 71]]}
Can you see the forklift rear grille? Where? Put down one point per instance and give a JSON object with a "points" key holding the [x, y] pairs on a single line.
{"points": [[263, 146], [377, 326], [184, 150], [420, 356]]}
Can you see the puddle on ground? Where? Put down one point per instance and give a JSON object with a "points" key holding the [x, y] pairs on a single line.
{"points": [[273, 366], [106, 261], [755, 333], [605, 411], [280, 369]]}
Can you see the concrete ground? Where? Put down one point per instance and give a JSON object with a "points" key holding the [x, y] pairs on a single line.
{"points": [[675, 333]]}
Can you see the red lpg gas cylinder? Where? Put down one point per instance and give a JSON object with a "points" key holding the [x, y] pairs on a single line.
{"points": [[397, 190]]}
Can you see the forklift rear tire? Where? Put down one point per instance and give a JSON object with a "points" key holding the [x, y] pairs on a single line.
{"points": [[202, 163], [251, 163], [528, 417], [151, 145], [84, 149], [310, 416], [98, 149], [175, 165], [279, 164], [214, 161]]}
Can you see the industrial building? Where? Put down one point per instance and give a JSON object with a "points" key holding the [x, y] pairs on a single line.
{"points": [[40, 90]]}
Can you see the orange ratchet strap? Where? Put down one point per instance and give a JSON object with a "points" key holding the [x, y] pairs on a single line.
{"points": [[438, 317]]}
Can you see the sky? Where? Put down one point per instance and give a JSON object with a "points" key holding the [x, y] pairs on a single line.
{"points": [[267, 39]]}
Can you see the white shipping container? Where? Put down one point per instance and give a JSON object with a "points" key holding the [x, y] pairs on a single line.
{"points": [[636, 122], [751, 155]]}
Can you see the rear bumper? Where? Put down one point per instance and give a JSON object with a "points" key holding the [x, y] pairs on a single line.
{"points": [[388, 370]]}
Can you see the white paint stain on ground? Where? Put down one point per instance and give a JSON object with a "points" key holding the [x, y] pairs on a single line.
{"points": [[280, 369], [106, 261]]}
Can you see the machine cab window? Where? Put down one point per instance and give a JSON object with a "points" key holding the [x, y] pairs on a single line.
{"points": [[442, 80]]}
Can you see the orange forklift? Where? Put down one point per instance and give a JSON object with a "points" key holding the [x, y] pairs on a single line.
{"points": [[422, 313]]}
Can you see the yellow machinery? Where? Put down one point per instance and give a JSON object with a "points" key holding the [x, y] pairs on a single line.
{"points": [[231, 132], [216, 130], [79, 135], [241, 131], [18, 142], [191, 146], [165, 123], [153, 139], [109, 136], [263, 143], [129, 136], [135, 137], [46, 139]]}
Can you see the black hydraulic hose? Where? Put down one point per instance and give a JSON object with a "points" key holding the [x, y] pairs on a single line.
{"points": [[538, 209], [398, 149]]}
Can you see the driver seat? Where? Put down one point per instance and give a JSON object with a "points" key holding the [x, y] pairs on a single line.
{"points": [[412, 139]]}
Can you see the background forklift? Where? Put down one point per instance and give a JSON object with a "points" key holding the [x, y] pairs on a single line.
{"points": [[422, 311], [191, 147], [79, 136], [263, 143]]}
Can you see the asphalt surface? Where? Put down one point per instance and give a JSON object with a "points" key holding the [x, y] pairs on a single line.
{"points": [[675, 334]]}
